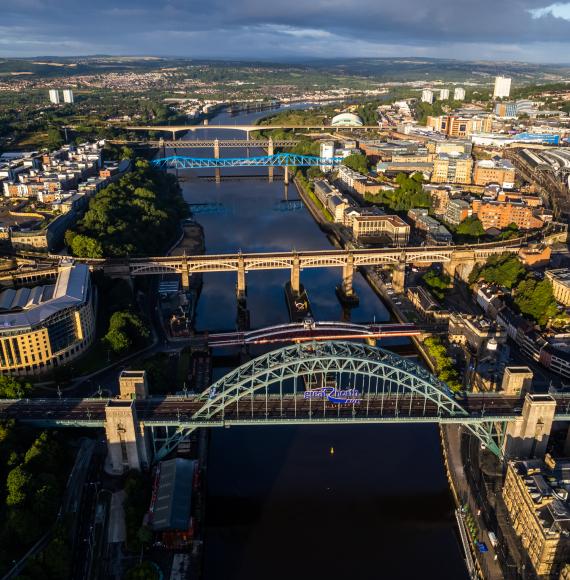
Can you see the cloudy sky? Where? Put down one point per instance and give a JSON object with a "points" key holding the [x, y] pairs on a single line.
{"points": [[531, 30]]}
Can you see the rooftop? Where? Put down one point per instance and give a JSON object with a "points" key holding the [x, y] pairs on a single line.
{"points": [[28, 307]]}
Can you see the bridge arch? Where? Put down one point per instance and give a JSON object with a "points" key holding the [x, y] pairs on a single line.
{"points": [[379, 385]]}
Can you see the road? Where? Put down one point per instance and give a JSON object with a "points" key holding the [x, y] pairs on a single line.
{"points": [[176, 410]]}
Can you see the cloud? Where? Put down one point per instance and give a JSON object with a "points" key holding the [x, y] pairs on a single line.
{"points": [[524, 29], [556, 10]]}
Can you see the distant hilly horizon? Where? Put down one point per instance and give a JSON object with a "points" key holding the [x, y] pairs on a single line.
{"points": [[380, 68]]}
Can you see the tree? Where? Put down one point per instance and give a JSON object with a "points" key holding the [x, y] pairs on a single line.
{"points": [[535, 299], [54, 138], [143, 571], [12, 388], [444, 366], [357, 162], [125, 330], [314, 173], [503, 269], [470, 227], [438, 284], [17, 484], [84, 246]]}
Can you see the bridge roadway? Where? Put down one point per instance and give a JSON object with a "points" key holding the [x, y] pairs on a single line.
{"points": [[308, 331], [247, 128], [177, 411], [209, 143]]}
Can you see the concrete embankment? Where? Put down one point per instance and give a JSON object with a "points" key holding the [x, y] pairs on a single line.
{"points": [[191, 240]]}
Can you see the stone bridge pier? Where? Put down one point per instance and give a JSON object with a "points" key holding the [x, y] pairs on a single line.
{"points": [[296, 276], [241, 289], [128, 442], [461, 265], [399, 277], [346, 291]]}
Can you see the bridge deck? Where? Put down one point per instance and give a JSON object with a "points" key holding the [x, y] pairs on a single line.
{"points": [[179, 411]]}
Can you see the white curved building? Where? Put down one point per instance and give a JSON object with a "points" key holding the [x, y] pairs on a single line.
{"points": [[47, 326], [346, 120]]}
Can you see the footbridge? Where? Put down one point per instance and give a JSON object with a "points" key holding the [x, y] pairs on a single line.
{"points": [[340, 383], [311, 330]]}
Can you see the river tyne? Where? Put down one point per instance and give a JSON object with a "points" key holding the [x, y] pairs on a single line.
{"points": [[335, 502]]}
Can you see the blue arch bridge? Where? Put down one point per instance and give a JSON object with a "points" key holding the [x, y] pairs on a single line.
{"points": [[320, 383], [277, 160]]}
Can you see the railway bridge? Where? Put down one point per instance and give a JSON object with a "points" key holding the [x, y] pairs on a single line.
{"points": [[457, 261], [324, 383]]}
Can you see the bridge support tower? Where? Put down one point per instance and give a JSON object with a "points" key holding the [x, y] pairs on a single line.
{"points": [[270, 151], [527, 437], [296, 276], [240, 286], [345, 291], [216, 149], [185, 276], [128, 444], [286, 175], [399, 277]]}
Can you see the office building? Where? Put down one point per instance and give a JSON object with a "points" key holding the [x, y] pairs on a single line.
{"points": [[452, 168], [54, 96], [434, 232], [46, 326], [500, 215], [68, 96], [459, 94], [427, 96], [506, 110], [327, 152], [560, 280], [456, 211], [460, 127], [475, 332], [443, 94], [500, 171], [391, 227], [502, 87], [536, 496]]}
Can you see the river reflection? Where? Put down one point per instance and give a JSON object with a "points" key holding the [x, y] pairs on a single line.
{"points": [[280, 505]]}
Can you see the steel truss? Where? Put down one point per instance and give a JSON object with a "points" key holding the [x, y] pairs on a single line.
{"points": [[269, 390], [277, 160]]}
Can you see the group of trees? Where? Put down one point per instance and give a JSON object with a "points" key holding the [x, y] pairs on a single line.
{"points": [[126, 330], [470, 229], [409, 193], [444, 365], [137, 500], [137, 215], [357, 162], [437, 283], [505, 270], [12, 388], [32, 479], [533, 298]]}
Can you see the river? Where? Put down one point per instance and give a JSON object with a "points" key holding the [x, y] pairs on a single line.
{"points": [[280, 505]]}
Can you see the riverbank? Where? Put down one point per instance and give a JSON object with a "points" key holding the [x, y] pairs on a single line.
{"points": [[191, 241]]}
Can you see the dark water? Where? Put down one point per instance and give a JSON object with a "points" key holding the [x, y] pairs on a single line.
{"points": [[280, 505]]}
